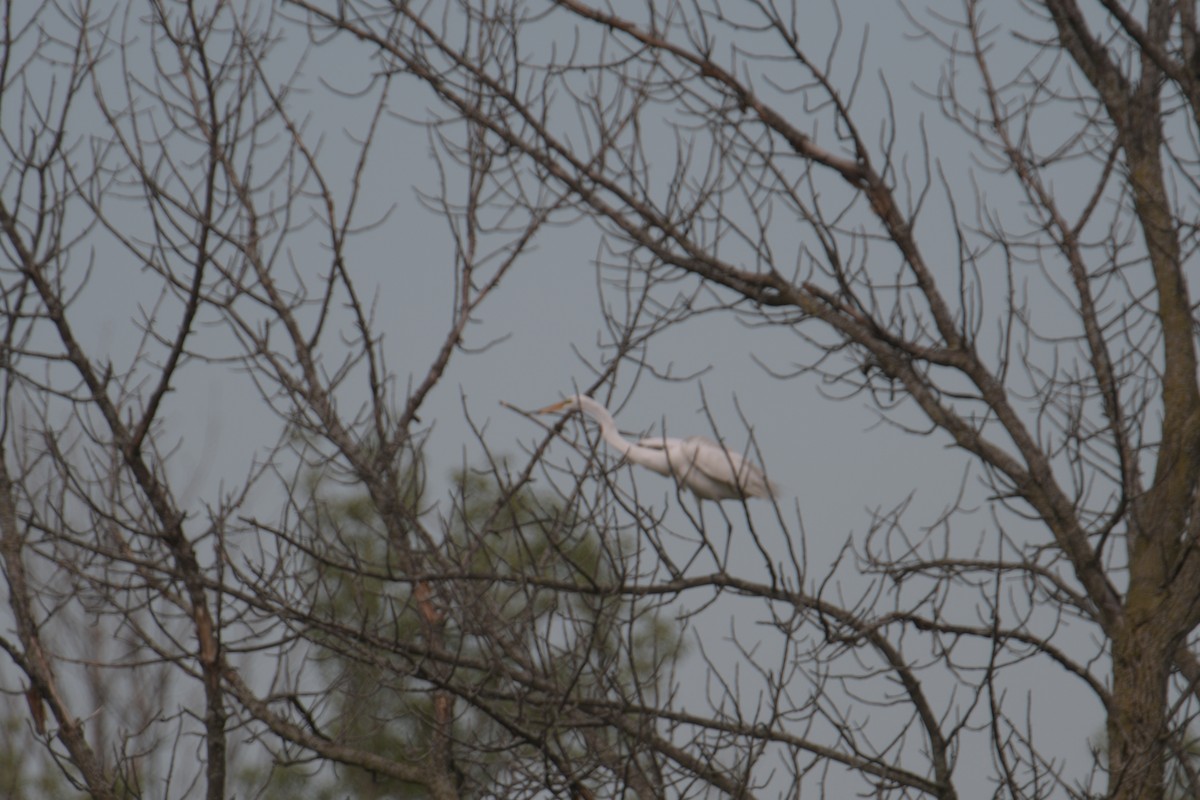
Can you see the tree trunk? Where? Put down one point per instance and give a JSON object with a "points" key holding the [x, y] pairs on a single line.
{"points": [[1142, 648]]}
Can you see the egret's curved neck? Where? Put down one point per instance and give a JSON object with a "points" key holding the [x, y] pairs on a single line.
{"points": [[608, 426], [650, 457]]}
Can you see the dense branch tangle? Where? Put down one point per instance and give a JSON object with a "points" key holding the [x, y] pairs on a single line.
{"points": [[918, 339], [1027, 305]]}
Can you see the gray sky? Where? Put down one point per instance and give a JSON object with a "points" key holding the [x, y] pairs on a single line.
{"points": [[837, 463], [831, 456]]}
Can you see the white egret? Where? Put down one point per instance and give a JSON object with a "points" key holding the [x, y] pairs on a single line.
{"points": [[711, 470]]}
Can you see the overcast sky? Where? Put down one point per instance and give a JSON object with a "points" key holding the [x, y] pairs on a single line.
{"points": [[834, 460]]}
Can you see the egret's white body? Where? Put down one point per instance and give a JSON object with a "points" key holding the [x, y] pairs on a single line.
{"points": [[711, 470]]}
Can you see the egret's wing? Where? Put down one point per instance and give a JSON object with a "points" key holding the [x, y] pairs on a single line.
{"points": [[664, 456], [728, 469], [717, 463]]}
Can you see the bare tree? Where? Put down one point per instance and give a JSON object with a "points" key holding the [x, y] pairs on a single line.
{"points": [[323, 614]]}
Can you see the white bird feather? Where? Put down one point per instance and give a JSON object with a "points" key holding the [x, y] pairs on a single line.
{"points": [[709, 469]]}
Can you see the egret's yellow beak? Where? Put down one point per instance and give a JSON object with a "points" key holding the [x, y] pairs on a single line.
{"points": [[555, 407]]}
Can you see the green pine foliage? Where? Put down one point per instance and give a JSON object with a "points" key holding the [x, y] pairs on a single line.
{"points": [[519, 584]]}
